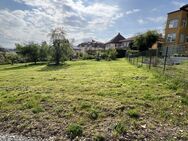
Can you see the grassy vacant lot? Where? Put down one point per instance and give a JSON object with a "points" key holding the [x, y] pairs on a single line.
{"points": [[92, 99]]}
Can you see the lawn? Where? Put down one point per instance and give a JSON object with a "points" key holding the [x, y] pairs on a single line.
{"points": [[93, 100]]}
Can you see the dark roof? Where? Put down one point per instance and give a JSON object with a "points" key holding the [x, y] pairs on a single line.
{"points": [[93, 43], [128, 39], [174, 11], [76, 48], [185, 7], [116, 39]]}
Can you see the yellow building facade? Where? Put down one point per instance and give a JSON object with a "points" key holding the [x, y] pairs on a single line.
{"points": [[176, 32]]}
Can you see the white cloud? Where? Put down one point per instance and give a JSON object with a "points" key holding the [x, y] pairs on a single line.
{"points": [[141, 21], [132, 11], [160, 19], [79, 20], [154, 9], [178, 3]]}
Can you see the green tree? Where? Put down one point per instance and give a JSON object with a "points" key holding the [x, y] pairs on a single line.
{"points": [[151, 37], [43, 51], [139, 43], [11, 57], [145, 41], [2, 57], [61, 48], [29, 51]]}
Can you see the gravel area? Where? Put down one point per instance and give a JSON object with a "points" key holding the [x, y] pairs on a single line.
{"points": [[8, 137]]}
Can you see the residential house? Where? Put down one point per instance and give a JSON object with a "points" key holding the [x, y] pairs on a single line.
{"points": [[76, 49], [116, 42], [176, 32], [91, 46], [126, 42]]}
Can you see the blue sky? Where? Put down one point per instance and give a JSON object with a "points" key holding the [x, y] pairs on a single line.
{"points": [[23, 21]]}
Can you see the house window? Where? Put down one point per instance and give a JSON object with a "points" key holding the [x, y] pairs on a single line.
{"points": [[187, 38], [184, 23], [182, 38], [173, 23], [171, 37]]}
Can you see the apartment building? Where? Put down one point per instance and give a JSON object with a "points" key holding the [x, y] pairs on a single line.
{"points": [[176, 32]]}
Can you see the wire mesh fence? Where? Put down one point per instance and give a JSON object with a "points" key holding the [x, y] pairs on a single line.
{"points": [[171, 61]]}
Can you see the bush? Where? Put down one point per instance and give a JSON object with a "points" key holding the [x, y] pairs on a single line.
{"points": [[74, 130], [111, 54], [121, 53], [133, 113], [87, 56], [98, 56]]}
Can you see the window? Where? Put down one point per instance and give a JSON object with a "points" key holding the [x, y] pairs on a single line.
{"points": [[171, 37], [182, 38], [184, 23], [173, 23], [187, 38]]}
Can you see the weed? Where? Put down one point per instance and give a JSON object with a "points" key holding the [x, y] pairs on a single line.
{"points": [[148, 96], [74, 130], [36, 110], [120, 128], [184, 100], [85, 105], [99, 137], [133, 113]]}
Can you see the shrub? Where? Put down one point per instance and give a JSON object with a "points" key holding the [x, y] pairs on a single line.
{"points": [[120, 128], [94, 115], [74, 130], [111, 54], [87, 56], [98, 56], [133, 113], [121, 53]]}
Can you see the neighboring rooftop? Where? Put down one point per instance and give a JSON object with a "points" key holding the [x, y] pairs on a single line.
{"points": [[93, 43], [185, 8], [116, 39], [128, 39]]}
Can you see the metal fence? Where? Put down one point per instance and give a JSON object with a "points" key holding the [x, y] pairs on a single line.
{"points": [[171, 61]]}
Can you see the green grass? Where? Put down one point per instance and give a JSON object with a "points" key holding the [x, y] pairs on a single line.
{"points": [[42, 101]]}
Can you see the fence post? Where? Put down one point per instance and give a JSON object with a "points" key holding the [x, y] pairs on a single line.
{"points": [[137, 59], [150, 59], [166, 55]]}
